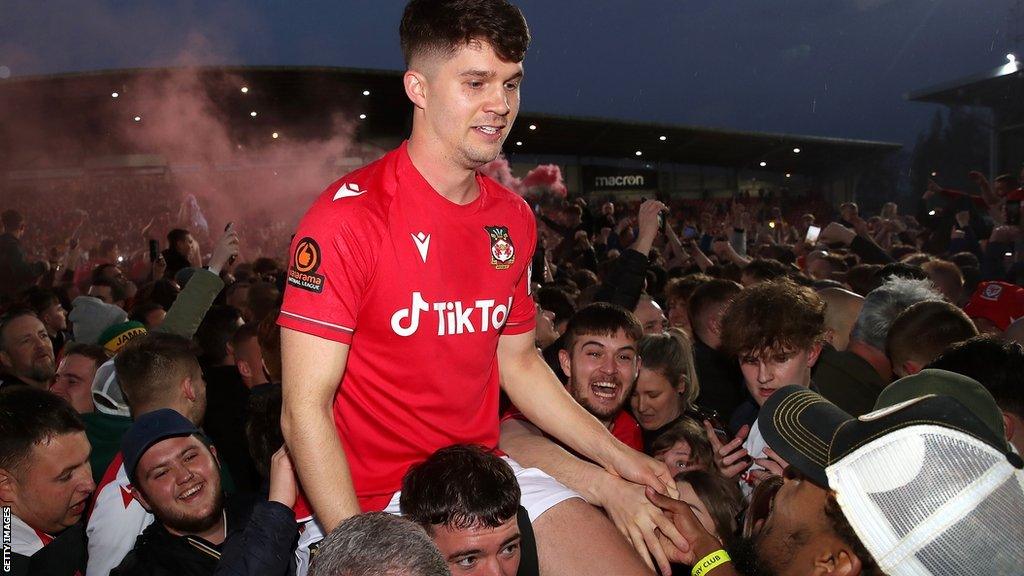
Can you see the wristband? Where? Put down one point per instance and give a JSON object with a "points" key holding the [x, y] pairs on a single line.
{"points": [[710, 562]]}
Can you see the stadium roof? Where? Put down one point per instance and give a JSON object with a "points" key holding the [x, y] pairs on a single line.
{"points": [[53, 110], [997, 88]]}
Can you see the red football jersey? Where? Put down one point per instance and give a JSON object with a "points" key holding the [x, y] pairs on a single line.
{"points": [[624, 428], [421, 289]]}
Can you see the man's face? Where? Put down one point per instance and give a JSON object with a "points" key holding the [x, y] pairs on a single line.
{"points": [[796, 538], [51, 488], [678, 317], [74, 382], [54, 318], [178, 480], [27, 350], [482, 551], [471, 100], [767, 371], [651, 317], [602, 371]]}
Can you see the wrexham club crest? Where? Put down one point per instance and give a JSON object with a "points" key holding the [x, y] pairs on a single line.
{"points": [[503, 253]]}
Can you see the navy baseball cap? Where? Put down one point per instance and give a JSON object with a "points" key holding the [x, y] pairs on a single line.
{"points": [[149, 429]]}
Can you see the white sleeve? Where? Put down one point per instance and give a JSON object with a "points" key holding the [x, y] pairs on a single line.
{"points": [[117, 520]]}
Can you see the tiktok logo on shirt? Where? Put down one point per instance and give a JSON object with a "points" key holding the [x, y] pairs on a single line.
{"points": [[452, 317]]}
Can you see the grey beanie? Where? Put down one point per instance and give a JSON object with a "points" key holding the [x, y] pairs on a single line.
{"points": [[90, 316]]}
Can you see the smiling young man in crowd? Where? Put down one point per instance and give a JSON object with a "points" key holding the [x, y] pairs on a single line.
{"points": [[408, 301]]}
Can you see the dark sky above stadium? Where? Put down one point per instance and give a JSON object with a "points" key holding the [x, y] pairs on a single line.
{"points": [[822, 67]]}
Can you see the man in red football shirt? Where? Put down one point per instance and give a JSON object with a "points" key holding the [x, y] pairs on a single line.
{"points": [[408, 302]]}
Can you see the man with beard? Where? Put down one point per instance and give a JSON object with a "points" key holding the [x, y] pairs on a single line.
{"points": [[26, 353], [602, 364], [174, 474]]}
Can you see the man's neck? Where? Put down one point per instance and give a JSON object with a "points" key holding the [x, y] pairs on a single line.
{"points": [[872, 356], [456, 184], [214, 535]]}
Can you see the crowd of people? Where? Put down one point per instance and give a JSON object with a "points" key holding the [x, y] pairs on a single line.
{"points": [[440, 378]]}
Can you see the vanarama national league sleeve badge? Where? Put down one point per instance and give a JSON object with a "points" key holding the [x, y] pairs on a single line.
{"points": [[503, 253], [305, 261]]}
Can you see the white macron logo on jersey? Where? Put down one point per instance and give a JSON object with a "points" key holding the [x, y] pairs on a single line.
{"points": [[348, 190], [422, 244]]}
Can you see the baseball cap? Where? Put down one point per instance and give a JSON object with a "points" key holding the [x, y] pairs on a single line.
{"points": [[149, 429], [107, 395], [999, 302], [966, 390], [928, 487]]}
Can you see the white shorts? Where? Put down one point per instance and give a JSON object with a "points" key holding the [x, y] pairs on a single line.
{"points": [[539, 493]]}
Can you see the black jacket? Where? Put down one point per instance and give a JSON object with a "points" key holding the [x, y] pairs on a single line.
{"points": [[260, 541], [66, 555], [16, 273]]}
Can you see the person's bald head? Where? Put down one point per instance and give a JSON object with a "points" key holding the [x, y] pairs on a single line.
{"points": [[841, 310]]}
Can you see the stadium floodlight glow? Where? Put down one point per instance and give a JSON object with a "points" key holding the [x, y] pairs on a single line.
{"points": [[934, 174], [763, 164], [639, 153], [253, 113], [1012, 59], [274, 135], [788, 175], [138, 118], [662, 138], [519, 143], [245, 89], [114, 94], [533, 126], [366, 92], [931, 212], [796, 150], [362, 116]]}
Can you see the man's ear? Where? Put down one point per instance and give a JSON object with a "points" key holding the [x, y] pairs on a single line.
{"points": [[243, 368], [8, 487], [910, 367], [415, 87], [137, 495], [5, 360], [565, 361], [187, 389], [838, 562], [812, 357], [1009, 424]]}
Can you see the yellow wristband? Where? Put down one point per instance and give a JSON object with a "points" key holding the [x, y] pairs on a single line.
{"points": [[710, 562]]}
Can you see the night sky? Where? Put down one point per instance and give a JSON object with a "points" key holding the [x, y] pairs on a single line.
{"points": [[821, 67]]}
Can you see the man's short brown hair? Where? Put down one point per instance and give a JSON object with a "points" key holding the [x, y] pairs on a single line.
{"points": [[443, 26], [775, 315], [151, 367], [601, 319], [925, 330]]}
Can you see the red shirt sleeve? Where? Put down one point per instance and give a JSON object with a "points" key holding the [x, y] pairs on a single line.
{"points": [[329, 267]]}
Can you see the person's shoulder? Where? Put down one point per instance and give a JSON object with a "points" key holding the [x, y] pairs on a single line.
{"points": [[502, 195], [358, 201]]}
